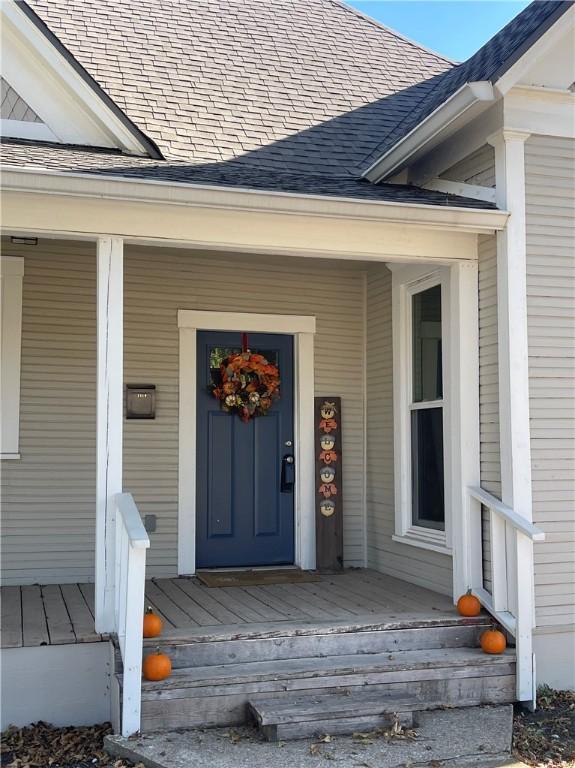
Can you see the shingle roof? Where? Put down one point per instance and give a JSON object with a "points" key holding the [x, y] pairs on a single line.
{"points": [[296, 85], [103, 162], [292, 95], [489, 63]]}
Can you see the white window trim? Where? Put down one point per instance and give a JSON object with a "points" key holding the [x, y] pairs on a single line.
{"points": [[406, 283], [302, 328], [11, 280], [460, 319]]}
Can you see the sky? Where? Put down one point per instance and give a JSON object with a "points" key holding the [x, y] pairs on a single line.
{"points": [[454, 28]]}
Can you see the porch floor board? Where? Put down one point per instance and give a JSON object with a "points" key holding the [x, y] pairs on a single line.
{"points": [[64, 613]]}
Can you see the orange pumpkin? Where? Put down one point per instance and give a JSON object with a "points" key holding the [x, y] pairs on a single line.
{"points": [[157, 666], [152, 624], [493, 641], [468, 605]]}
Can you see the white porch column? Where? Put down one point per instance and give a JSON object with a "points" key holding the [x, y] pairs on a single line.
{"points": [[109, 421], [464, 417], [514, 388]]}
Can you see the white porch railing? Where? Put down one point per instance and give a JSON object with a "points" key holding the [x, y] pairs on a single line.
{"points": [[131, 544], [511, 599]]}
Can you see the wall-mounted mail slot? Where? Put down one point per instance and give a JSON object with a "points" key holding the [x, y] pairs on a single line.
{"points": [[140, 401]]}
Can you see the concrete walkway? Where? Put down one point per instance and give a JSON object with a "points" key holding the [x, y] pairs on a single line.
{"points": [[478, 737]]}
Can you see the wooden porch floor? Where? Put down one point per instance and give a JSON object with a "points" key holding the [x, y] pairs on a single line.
{"points": [[64, 613]]}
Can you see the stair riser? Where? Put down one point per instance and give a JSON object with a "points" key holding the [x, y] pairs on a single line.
{"points": [[311, 646], [227, 705], [343, 725]]}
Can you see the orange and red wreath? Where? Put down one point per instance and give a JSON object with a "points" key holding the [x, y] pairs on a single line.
{"points": [[247, 384]]}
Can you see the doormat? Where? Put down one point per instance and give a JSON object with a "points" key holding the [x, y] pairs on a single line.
{"points": [[256, 578]]}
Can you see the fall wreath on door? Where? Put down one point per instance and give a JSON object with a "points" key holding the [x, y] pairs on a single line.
{"points": [[247, 384]]}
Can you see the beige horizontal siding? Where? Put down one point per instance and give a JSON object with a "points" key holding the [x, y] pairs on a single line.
{"points": [[550, 200], [488, 388], [477, 168], [430, 569], [48, 496]]}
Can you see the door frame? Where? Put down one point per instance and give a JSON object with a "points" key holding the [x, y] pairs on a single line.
{"points": [[302, 328]]}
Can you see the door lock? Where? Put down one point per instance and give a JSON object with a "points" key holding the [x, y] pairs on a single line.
{"points": [[288, 443], [287, 474]]}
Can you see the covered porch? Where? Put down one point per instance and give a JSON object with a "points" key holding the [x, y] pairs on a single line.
{"points": [[102, 311]]}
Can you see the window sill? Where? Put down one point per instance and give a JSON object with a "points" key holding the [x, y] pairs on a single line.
{"points": [[9, 456], [416, 540]]}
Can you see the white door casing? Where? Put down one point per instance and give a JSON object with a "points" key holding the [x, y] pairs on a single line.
{"points": [[302, 328]]}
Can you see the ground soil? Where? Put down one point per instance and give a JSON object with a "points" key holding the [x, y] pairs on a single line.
{"points": [[45, 746], [546, 737]]}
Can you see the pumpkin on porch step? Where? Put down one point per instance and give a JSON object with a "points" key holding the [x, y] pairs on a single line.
{"points": [[493, 641], [468, 605], [157, 666], [152, 624]]}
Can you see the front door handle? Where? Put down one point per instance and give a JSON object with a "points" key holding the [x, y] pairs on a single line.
{"points": [[288, 473]]}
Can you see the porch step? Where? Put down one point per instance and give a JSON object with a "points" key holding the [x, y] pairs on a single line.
{"points": [[219, 694], [249, 643], [299, 717]]}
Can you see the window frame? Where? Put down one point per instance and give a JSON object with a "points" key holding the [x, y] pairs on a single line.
{"points": [[11, 285], [408, 281]]}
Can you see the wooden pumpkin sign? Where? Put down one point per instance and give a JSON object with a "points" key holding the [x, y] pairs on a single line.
{"points": [[328, 483]]}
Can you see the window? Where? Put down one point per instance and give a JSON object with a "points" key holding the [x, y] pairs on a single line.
{"points": [[427, 482], [420, 349], [11, 275]]}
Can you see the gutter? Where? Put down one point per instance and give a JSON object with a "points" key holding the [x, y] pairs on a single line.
{"points": [[461, 107], [17, 179]]}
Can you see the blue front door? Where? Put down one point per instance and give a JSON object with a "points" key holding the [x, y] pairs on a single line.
{"points": [[245, 513]]}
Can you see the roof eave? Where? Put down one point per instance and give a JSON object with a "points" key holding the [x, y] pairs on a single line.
{"points": [[459, 109], [34, 181]]}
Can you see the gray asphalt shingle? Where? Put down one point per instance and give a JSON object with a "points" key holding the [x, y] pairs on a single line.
{"points": [[231, 175], [298, 85], [489, 63], [293, 95]]}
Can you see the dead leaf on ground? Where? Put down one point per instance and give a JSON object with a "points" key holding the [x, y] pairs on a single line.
{"points": [[41, 745], [233, 736]]}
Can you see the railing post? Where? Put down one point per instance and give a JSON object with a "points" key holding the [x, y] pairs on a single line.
{"points": [[132, 656], [108, 423]]}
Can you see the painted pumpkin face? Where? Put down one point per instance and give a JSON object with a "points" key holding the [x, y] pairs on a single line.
{"points": [[327, 410], [327, 474], [327, 442], [327, 508]]}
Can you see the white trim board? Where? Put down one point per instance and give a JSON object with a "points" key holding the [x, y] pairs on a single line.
{"points": [[11, 282], [302, 328]]}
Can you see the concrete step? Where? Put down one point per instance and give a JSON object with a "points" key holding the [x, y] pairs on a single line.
{"points": [[219, 694], [219, 645], [474, 737], [300, 717]]}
